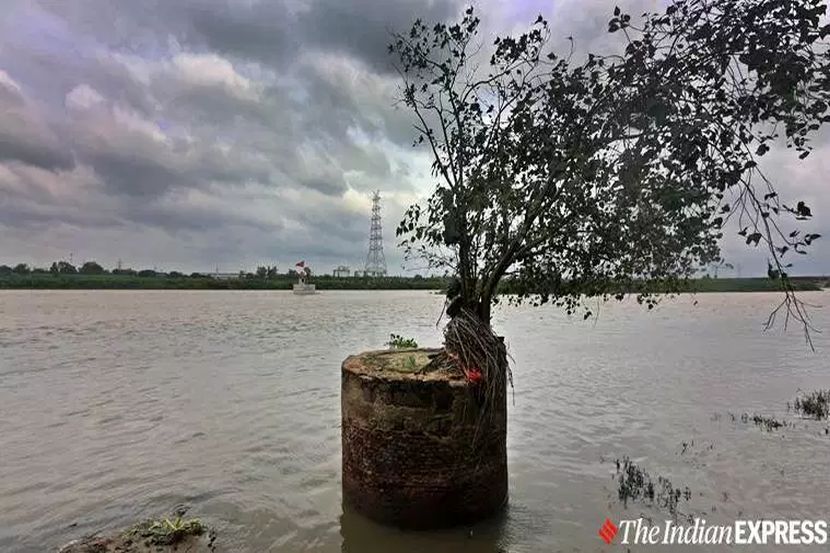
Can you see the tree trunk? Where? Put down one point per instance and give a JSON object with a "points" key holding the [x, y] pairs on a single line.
{"points": [[483, 311]]}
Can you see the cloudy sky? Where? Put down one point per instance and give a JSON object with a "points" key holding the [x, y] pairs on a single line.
{"points": [[194, 134]]}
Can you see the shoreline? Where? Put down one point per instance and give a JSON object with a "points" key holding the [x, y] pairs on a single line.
{"points": [[39, 281]]}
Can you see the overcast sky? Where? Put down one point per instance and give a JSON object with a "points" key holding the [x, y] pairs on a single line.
{"points": [[189, 134]]}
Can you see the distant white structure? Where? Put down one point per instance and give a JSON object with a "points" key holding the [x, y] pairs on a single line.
{"points": [[342, 271], [302, 286], [224, 276]]}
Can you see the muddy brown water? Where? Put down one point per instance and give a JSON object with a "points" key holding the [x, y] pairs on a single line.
{"points": [[118, 405]]}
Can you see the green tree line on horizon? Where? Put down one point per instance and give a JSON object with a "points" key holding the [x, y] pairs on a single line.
{"points": [[90, 275], [63, 267]]}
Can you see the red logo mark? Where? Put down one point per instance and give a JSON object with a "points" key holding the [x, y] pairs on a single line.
{"points": [[607, 531]]}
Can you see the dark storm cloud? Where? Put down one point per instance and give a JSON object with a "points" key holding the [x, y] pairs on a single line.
{"points": [[271, 32], [24, 137], [260, 31], [31, 147], [362, 28], [205, 132], [184, 215]]}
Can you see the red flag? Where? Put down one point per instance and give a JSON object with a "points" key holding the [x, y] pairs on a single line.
{"points": [[301, 264]]}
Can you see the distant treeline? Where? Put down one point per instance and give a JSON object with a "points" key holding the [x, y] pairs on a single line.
{"points": [[803, 284], [697, 285], [203, 282], [90, 275], [93, 268]]}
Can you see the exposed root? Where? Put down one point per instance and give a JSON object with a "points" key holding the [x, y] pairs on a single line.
{"points": [[472, 347]]}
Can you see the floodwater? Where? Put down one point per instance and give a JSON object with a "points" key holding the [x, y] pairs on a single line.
{"points": [[118, 405]]}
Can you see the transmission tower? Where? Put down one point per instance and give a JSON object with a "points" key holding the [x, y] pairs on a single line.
{"points": [[375, 261]]}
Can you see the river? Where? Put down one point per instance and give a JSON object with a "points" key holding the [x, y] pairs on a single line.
{"points": [[119, 405]]}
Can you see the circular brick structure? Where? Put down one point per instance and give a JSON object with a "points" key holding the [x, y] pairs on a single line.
{"points": [[413, 455]]}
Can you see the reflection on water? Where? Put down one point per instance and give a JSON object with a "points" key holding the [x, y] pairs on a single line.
{"points": [[115, 405], [364, 536]]}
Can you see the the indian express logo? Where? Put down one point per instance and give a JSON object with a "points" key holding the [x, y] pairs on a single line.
{"points": [[741, 532]]}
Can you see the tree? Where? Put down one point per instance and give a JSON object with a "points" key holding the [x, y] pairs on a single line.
{"points": [[22, 269], [578, 179], [6, 270], [91, 268], [721, 264], [63, 268], [266, 271]]}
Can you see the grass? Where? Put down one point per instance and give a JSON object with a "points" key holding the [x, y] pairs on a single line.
{"points": [[166, 534], [281, 282], [803, 284], [325, 282], [166, 531], [401, 361], [396, 341]]}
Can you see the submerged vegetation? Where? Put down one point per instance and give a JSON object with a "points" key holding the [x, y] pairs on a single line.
{"points": [[767, 423], [815, 404], [635, 484], [761, 421]]}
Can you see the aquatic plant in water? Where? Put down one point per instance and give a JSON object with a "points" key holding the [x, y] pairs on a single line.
{"points": [[635, 484], [767, 423], [815, 404]]}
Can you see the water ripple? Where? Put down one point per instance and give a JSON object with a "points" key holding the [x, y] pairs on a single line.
{"points": [[117, 405]]}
